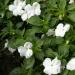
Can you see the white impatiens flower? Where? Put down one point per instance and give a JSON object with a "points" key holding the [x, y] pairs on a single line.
{"points": [[71, 1], [52, 66], [71, 64], [26, 50], [12, 50], [17, 7], [61, 29], [50, 32]]}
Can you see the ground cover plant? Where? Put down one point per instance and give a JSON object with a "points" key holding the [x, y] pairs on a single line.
{"points": [[41, 34]]}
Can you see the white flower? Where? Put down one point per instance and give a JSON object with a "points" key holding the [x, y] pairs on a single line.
{"points": [[17, 7], [71, 64], [12, 50], [50, 32], [37, 9], [52, 67], [61, 29], [26, 50], [9, 48], [71, 1]]}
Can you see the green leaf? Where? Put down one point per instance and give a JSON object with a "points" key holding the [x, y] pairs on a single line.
{"points": [[71, 7], [63, 50], [62, 4], [59, 40], [71, 16], [35, 20], [50, 53], [28, 63], [16, 71], [14, 43], [71, 73], [39, 55], [65, 72]]}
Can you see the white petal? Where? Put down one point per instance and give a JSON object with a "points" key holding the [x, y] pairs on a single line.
{"points": [[71, 1], [30, 11], [11, 7], [36, 7], [29, 53], [22, 51], [15, 13], [60, 26], [47, 62], [28, 45], [47, 71], [56, 62], [71, 64], [67, 27], [11, 49], [24, 16], [59, 32]]}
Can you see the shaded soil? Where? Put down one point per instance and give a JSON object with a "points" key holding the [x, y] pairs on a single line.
{"points": [[8, 61]]}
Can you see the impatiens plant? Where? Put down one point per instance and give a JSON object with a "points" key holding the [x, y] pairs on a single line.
{"points": [[42, 32]]}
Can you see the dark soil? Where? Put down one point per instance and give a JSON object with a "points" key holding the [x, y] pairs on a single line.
{"points": [[8, 61]]}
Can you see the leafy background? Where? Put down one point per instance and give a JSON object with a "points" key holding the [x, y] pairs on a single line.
{"points": [[18, 32]]}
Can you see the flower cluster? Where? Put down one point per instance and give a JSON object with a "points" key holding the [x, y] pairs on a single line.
{"points": [[26, 11], [26, 50]]}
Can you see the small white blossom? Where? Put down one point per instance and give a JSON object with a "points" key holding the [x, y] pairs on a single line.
{"points": [[12, 50], [50, 32], [71, 1], [17, 7], [26, 50], [9, 48], [52, 66], [71, 64], [61, 29]]}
